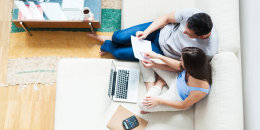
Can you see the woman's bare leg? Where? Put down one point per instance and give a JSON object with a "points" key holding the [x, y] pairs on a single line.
{"points": [[161, 83], [148, 85], [144, 112]]}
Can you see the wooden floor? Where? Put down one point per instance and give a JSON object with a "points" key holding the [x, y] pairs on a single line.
{"points": [[28, 108], [21, 109], [5, 27]]}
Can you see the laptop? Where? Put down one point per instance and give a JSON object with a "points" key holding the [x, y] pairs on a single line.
{"points": [[123, 84]]}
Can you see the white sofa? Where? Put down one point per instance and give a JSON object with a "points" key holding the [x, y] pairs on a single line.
{"points": [[223, 108], [81, 95], [82, 101]]}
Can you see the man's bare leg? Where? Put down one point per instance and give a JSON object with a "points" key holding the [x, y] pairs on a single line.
{"points": [[100, 39]]}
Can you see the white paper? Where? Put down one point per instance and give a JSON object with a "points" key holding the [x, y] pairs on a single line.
{"points": [[73, 4], [73, 15], [140, 47], [53, 11], [35, 12], [158, 61], [25, 11], [29, 13]]}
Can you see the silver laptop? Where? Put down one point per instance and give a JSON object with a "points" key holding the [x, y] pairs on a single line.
{"points": [[123, 84]]}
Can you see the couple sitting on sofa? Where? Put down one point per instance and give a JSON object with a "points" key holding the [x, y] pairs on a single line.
{"points": [[185, 41]]}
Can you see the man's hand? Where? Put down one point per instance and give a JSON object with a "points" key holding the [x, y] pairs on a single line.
{"points": [[141, 35], [149, 64], [151, 101]]}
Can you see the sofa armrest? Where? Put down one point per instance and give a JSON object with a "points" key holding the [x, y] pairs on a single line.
{"points": [[222, 109]]}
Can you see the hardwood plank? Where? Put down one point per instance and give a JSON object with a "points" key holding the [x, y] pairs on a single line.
{"points": [[25, 115], [41, 118], [6, 10], [12, 115], [43, 107], [5, 28], [3, 106]]}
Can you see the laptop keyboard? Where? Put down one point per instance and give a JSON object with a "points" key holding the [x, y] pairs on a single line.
{"points": [[122, 84]]}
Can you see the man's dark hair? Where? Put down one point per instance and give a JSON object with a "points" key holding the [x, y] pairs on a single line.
{"points": [[200, 23]]}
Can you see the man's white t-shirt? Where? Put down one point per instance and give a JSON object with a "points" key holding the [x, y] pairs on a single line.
{"points": [[173, 40]]}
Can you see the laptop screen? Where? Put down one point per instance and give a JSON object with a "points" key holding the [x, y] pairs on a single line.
{"points": [[111, 90]]}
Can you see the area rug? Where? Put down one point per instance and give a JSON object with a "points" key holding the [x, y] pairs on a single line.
{"points": [[34, 59], [41, 70]]}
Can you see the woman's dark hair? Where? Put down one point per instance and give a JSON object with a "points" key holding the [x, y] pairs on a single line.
{"points": [[200, 23], [196, 63]]}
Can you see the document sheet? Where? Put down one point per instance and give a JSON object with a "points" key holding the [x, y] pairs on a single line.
{"points": [[140, 47]]}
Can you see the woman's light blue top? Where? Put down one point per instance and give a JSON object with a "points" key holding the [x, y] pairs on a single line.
{"points": [[183, 89]]}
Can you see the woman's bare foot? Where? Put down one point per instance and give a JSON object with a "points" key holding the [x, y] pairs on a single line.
{"points": [[99, 38], [160, 82], [144, 112]]}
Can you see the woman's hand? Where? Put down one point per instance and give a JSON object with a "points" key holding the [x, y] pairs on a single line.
{"points": [[149, 64], [152, 55], [151, 101], [141, 35]]}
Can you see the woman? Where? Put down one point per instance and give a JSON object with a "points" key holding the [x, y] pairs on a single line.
{"points": [[185, 88]]}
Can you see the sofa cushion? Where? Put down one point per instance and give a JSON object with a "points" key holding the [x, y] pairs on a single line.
{"points": [[222, 109], [139, 11], [183, 120]]}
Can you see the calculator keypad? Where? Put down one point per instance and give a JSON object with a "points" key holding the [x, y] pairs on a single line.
{"points": [[132, 122]]}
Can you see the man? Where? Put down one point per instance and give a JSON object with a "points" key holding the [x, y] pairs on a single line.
{"points": [[168, 35]]}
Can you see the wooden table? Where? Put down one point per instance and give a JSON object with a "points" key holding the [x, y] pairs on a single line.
{"points": [[94, 5]]}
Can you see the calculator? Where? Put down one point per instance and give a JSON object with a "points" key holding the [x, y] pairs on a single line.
{"points": [[130, 123]]}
